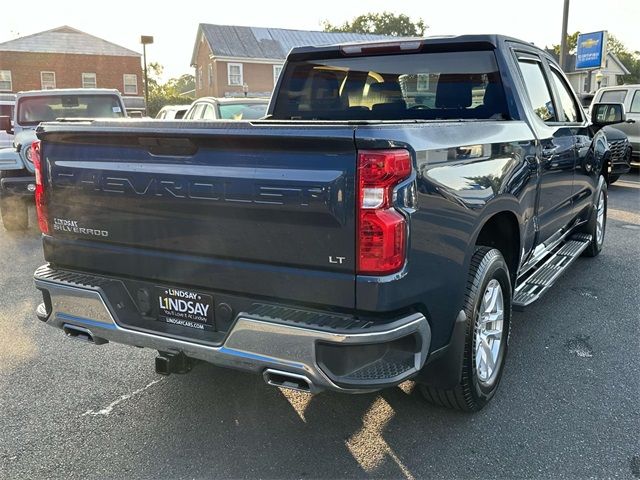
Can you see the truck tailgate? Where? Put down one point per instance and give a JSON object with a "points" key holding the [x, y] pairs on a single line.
{"points": [[262, 198]]}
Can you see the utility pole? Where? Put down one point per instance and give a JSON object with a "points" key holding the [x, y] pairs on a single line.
{"points": [[563, 40], [146, 40]]}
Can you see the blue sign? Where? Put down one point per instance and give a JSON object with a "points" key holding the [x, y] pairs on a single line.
{"points": [[592, 49]]}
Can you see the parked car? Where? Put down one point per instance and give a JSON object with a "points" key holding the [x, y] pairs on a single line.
{"points": [[135, 105], [618, 144], [629, 96], [620, 148], [7, 104], [210, 108], [17, 180], [355, 238], [172, 112]]}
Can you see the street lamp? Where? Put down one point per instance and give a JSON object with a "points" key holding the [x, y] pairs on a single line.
{"points": [[146, 40], [599, 77]]}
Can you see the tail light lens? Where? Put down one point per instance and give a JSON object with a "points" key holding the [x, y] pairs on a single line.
{"points": [[381, 228], [41, 206]]}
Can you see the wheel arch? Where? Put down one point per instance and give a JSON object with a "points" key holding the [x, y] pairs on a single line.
{"points": [[501, 230]]}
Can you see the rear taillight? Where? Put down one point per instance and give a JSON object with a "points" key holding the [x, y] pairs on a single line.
{"points": [[41, 206], [381, 228]]}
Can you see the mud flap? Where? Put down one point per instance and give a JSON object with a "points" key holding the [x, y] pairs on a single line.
{"points": [[444, 368]]}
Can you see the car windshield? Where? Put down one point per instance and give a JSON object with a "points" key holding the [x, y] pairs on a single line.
{"points": [[243, 111], [449, 85], [33, 110]]}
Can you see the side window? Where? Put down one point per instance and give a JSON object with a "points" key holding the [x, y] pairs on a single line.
{"points": [[538, 90], [208, 113], [567, 102], [199, 110], [613, 96], [635, 103], [196, 112]]}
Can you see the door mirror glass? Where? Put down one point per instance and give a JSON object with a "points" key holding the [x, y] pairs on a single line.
{"points": [[607, 113]]}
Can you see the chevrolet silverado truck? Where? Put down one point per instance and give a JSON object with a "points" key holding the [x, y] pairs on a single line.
{"points": [[378, 225], [17, 181]]}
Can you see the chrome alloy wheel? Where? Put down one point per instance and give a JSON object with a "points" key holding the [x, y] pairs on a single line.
{"points": [[600, 219], [488, 333]]}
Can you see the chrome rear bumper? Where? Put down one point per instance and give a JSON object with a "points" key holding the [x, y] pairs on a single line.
{"points": [[254, 344]]}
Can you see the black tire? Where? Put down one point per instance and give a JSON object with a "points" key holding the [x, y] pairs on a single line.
{"points": [[15, 213], [595, 246], [472, 394], [612, 179]]}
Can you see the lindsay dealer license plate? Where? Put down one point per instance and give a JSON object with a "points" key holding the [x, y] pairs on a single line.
{"points": [[185, 308]]}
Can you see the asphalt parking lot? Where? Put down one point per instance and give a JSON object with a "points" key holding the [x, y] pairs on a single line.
{"points": [[568, 405]]}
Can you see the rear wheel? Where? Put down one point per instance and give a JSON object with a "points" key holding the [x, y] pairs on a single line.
{"points": [[597, 224], [488, 310]]}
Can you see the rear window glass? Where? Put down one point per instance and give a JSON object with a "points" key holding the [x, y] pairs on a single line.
{"points": [[447, 85], [613, 96], [242, 111], [33, 110]]}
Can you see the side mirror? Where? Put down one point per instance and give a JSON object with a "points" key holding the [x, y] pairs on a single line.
{"points": [[5, 124], [607, 114]]}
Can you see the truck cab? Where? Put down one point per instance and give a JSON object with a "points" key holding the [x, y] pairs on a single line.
{"points": [[31, 108]]}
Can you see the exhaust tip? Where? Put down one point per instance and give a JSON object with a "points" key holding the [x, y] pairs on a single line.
{"points": [[292, 381], [83, 334]]}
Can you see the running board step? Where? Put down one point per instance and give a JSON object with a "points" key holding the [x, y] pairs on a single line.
{"points": [[546, 275]]}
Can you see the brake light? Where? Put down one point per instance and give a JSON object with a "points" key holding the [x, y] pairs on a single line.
{"points": [[381, 228], [382, 47], [41, 207]]}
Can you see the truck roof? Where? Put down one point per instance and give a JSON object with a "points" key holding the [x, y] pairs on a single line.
{"points": [[490, 39], [69, 91]]}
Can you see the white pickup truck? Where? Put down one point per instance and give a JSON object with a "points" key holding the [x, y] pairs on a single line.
{"points": [[17, 180]]}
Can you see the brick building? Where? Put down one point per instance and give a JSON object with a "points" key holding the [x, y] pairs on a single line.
{"points": [[68, 58], [226, 57]]}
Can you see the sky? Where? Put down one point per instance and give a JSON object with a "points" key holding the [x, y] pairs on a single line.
{"points": [[174, 24]]}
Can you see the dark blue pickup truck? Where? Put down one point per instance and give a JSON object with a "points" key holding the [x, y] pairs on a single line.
{"points": [[377, 226]]}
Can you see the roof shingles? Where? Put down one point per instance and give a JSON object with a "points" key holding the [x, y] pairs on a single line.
{"points": [[269, 43], [66, 40]]}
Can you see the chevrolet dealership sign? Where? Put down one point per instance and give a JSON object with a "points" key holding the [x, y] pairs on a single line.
{"points": [[592, 50]]}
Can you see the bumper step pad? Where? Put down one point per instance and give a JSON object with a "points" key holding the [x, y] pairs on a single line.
{"points": [[535, 285], [390, 366]]}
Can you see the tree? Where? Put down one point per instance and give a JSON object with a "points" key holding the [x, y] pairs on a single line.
{"points": [[184, 83], [572, 44], [169, 93], [631, 60], [385, 23]]}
